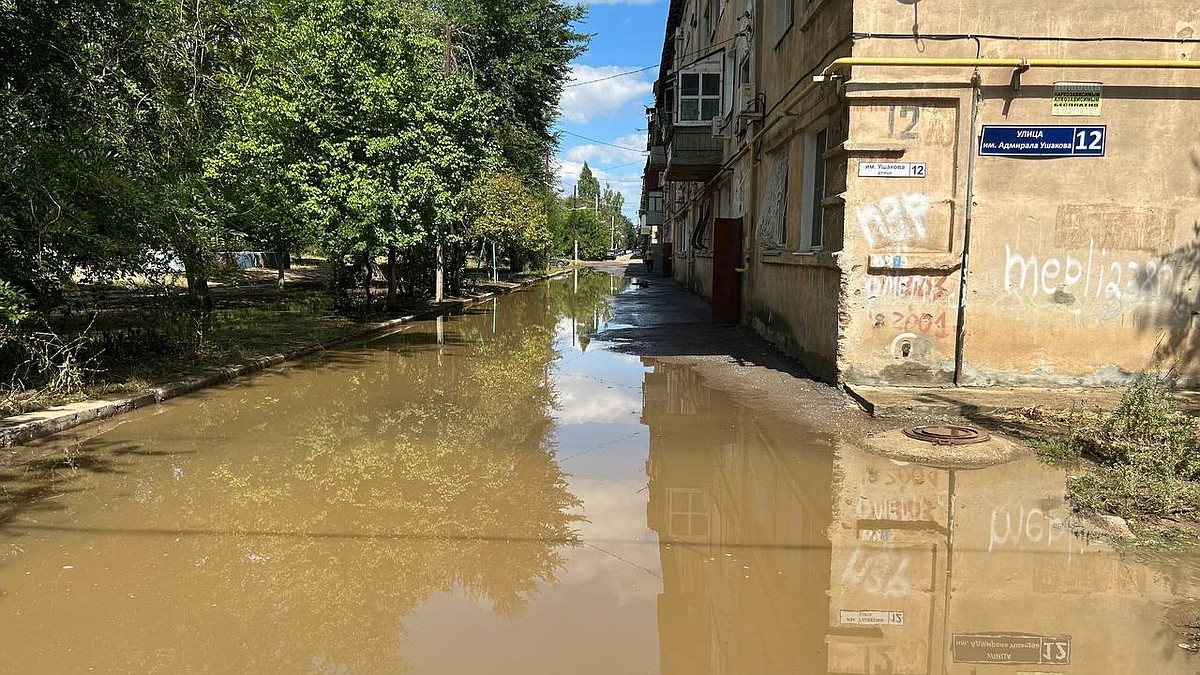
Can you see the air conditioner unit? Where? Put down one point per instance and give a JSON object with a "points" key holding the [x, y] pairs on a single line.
{"points": [[747, 99], [719, 128]]}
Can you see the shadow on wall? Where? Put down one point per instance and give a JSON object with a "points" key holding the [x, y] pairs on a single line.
{"points": [[1178, 321]]}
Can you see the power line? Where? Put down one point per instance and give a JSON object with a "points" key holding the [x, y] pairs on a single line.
{"points": [[610, 77], [593, 140], [622, 166]]}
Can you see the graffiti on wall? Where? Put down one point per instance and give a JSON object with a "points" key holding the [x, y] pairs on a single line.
{"points": [[912, 304], [916, 288], [895, 221], [878, 573], [1096, 273]]}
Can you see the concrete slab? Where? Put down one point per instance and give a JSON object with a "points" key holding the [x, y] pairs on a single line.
{"points": [[969, 401]]}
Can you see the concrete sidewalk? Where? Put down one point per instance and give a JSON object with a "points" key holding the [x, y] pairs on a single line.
{"points": [[664, 319], [969, 401]]}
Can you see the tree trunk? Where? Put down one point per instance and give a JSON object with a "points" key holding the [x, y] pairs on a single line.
{"points": [[439, 292], [391, 277], [367, 278], [279, 269], [197, 280]]}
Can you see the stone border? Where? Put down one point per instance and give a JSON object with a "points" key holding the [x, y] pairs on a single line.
{"points": [[21, 429]]}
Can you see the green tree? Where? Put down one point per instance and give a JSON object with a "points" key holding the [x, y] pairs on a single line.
{"points": [[520, 51], [588, 188], [66, 201], [508, 212]]}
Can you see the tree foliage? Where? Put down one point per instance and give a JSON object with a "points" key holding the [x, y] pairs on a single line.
{"points": [[153, 130]]}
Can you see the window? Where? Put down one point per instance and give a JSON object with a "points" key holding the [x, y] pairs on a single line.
{"points": [[655, 202], [699, 97], [772, 224], [812, 236], [785, 15], [687, 513]]}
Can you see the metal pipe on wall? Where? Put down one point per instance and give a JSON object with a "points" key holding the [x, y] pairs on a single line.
{"points": [[960, 333]]}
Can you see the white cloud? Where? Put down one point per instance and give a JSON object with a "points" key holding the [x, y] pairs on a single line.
{"points": [[627, 559], [583, 400], [597, 99]]}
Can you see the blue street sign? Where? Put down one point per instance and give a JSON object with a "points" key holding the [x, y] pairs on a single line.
{"points": [[1003, 140]]}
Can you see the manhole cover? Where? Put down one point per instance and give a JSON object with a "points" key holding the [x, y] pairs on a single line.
{"points": [[947, 434]]}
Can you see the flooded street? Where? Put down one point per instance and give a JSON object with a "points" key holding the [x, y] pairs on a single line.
{"points": [[503, 491]]}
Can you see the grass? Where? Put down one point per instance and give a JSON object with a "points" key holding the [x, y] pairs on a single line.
{"points": [[1140, 462], [134, 348]]}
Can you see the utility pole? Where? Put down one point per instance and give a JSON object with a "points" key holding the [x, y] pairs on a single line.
{"points": [[574, 223], [439, 292], [612, 234]]}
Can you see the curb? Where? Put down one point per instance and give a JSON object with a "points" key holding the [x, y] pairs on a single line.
{"points": [[90, 411]]}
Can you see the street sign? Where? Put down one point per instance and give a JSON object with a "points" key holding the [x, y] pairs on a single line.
{"points": [[1004, 140], [1012, 648], [870, 617], [891, 169]]}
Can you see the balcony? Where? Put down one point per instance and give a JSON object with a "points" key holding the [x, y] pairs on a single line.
{"points": [[658, 158], [693, 154], [652, 207]]}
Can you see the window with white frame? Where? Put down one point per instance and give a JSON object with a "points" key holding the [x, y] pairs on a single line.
{"points": [[812, 227], [687, 513], [700, 92]]}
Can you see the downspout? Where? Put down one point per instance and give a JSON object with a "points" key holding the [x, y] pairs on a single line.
{"points": [[960, 335]]}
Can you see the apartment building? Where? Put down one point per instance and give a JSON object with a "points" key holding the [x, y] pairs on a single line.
{"points": [[913, 192]]}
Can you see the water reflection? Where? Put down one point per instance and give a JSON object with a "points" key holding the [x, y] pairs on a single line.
{"points": [[787, 552], [290, 523], [494, 493], [741, 504]]}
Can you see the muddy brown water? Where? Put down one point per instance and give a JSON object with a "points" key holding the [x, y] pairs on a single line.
{"points": [[495, 492]]}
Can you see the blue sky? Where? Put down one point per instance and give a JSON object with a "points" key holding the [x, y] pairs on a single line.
{"points": [[627, 35]]}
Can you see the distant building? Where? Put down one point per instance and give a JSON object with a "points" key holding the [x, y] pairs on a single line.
{"points": [[1069, 192]]}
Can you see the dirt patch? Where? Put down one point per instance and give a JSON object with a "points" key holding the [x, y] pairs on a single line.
{"points": [[1184, 619]]}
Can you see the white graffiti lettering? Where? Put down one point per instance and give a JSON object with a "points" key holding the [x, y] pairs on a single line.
{"points": [[880, 573], [895, 220], [1033, 526], [1100, 274], [917, 288]]}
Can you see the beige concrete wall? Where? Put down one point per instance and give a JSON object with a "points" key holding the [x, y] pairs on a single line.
{"points": [[790, 295], [903, 240], [794, 305], [701, 274], [1082, 270]]}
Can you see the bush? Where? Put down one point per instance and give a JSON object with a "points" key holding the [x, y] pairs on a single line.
{"points": [[1148, 454]]}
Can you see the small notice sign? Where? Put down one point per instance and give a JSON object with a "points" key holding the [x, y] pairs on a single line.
{"points": [[1012, 648], [891, 169], [870, 617], [1076, 99]]}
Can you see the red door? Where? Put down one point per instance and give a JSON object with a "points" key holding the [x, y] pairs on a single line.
{"points": [[727, 282]]}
